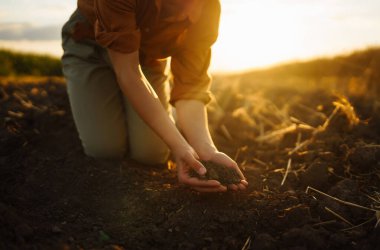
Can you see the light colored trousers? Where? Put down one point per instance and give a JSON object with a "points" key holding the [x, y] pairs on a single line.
{"points": [[107, 124]]}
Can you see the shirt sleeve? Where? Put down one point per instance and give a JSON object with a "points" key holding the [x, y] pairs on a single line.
{"points": [[115, 25], [190, 65]]}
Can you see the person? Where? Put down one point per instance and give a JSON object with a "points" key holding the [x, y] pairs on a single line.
{"points": [[115, 62]]}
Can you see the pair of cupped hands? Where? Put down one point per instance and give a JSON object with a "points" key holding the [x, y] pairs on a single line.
{"points": [[189, 159]]}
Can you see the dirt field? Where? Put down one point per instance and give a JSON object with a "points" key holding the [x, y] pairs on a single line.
{"points": [[284, 138]]}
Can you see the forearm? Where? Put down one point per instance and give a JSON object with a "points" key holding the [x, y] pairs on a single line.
{"points": [[146, 103], [193, 122], [148, 106]]}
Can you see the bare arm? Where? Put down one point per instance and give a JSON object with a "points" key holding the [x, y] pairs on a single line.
{"points": [[146, 103], [192, 120], [143, 98]]}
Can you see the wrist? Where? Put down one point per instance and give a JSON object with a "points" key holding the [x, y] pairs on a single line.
{"points": [[180, 149], [205, 150]]}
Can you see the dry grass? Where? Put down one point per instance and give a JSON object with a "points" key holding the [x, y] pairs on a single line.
{"points": [[347, 203]]}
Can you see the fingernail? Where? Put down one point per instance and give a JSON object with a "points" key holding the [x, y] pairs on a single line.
{"points": [[202, 171]]}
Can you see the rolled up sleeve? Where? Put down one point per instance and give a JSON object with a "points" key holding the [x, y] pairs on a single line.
{"points": [[115, 25], [190, 65], [191, 79]]}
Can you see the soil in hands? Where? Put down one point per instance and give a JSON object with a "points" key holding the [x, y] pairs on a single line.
{"points": [[225, 175]]}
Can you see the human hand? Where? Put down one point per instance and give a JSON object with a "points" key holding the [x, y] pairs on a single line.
{"points": [[223, 159], [187, 160]]}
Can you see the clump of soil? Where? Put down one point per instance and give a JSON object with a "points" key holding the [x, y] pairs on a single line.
{"points": [[316, 175], [225, 175], [364, 157]]}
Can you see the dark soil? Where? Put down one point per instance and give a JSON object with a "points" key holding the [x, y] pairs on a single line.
{"points": [[54, 197], [221, 173]]}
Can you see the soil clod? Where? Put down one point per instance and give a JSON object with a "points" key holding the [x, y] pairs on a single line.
{"points": [[225, 175]]}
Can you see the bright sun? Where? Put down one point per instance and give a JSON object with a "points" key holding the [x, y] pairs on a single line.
{"points": [[254, 34], [262, 33], [247, 36]]}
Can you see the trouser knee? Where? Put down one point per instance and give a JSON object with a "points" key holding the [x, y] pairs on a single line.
{"points": [[148, 155], [105, 151]]}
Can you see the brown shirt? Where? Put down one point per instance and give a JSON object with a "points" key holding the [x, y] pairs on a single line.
{"points": [[182, 29]]}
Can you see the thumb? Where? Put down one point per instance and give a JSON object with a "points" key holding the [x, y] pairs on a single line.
{"points": [[196, 165]]}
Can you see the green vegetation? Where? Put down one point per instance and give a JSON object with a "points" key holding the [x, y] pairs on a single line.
{"points": [[28, 64]]}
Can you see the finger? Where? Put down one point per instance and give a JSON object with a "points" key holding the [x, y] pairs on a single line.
{"points": [[211, 190], [184, 178], [239, 172], [195, 182], [241, 186], [233, 187], [237, 169], [244, 182], [196, 165]]}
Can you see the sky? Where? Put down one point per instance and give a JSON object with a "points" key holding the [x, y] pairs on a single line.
{"points": [[253, 33]]}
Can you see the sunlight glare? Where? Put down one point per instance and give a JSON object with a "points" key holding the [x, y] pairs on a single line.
{"points": [[256, 34], [253, 34]]}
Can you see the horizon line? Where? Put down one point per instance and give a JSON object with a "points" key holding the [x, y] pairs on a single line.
{"points": [[226, 71]]}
